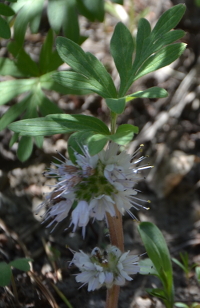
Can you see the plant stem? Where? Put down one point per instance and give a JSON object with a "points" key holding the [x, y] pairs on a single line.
{"points": [[116, 239], [113, 122]]}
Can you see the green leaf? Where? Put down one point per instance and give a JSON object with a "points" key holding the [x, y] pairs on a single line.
{"points": [[162, 58], [179, 264], [6, 273], [25, 148], [9, 67], [122, 47], [56, 11], [160, 293], [154, 92], [144, 31], [147, 267], [70, 23], [6, 10], [76, 81], [87, 65], [47, 106], [76, 142], [124, 134], [79, 122], [38, 127], [28, 10], [11, 88], [47, 82], [4, 29], [13, 139], [96, 143], [116, 105], [39, 141], [197, 272], [92, 9], [169, 20], [23, 61], [21, 264], [181, 305], [157, 251], [13, 112]]}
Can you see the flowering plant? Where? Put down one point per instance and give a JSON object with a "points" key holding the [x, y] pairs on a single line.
{"points": [[98, 181]]}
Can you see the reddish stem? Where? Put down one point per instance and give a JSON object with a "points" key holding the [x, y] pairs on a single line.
{"points": [[116, 239]]}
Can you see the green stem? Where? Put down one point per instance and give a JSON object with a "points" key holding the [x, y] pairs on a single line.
{"points": [[113, 122]]}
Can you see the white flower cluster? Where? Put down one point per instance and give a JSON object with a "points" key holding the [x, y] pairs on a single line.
{"points": [[93, 186], [105, 268]]}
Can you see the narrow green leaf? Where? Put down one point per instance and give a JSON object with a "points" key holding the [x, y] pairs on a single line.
{"points": [[179, 264], [79, 122], [27, 11], [86, 64], [160, 293], [6, 273], [6, 10], [76, 81], [168, 20], [21, 264], [47, 106], [122, 47], [39, 141], [4, 29], [144, 31], [92, 9], [46, 51], [154, 92], [25, 148], [157, 250], [71, 23], [162, 58], [23, 61], [13, 139], [116, 105], [13, 112], [56, 11], [9, 67], [47, 82], [39, 127], [11, 88]]}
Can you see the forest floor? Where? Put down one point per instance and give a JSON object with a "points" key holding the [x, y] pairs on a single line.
{"points": [[170, 132]]}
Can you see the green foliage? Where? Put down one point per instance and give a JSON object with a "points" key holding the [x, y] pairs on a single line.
{"points": [[184, 264], [62, 16], [157, 251], [6, 272], [154, 49], [6, 11]]}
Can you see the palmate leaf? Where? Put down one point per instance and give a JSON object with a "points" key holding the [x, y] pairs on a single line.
{"points": [[154, 49], [86, 65]]}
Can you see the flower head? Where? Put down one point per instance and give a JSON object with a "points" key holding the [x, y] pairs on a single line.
{"points": [[93, 186], [105, 267]]}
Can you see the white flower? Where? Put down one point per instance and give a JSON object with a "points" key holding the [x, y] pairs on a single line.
{"points": [[93, 186], [105, 267], [80, 216]]}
